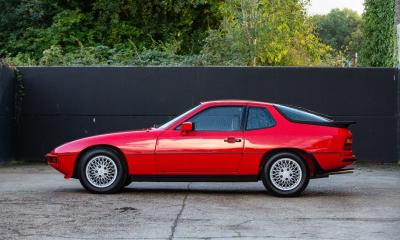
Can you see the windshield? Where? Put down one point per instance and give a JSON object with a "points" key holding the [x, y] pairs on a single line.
{"points": [[172, 121]]}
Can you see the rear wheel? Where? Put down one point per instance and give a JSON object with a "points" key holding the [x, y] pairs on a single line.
{"points": [[285, 174], [127, 182], [102, 171]]}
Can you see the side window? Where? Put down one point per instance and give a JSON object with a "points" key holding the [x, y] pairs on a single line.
{"points": [[227, 118], [259, 118]]}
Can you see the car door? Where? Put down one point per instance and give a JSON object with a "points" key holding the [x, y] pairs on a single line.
{"points": [[215, 145]]}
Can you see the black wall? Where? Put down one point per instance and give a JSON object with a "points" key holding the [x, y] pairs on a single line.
{"points": [[65, 103], [7, 82]]}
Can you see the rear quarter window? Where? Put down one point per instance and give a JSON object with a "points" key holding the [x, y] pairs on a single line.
{"points": [[259, 118], [297, 115]]}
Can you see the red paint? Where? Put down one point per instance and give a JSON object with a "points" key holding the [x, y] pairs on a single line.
{"points": [[172, 151], [198, 152]]}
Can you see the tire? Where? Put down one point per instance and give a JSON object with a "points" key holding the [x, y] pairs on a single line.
{"points": [[102, 170], [127, 182], [281, 182]]}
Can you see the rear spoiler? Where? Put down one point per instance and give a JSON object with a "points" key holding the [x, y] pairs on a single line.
{"points": [[333, 123], [339, 124]]}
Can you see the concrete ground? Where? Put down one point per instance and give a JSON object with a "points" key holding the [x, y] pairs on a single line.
{"points": [[37, 203]]}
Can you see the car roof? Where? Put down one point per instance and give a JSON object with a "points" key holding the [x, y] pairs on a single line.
{"points": [[235, 101]]}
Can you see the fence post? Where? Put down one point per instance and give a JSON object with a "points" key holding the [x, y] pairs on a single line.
{"points": [[7, 87], [398, 113]]}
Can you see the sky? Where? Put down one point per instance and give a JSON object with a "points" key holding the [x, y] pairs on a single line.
{"points": [[324, 6]]}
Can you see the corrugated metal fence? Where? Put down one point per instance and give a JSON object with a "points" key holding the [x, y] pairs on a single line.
{"points": [[65, 103]]}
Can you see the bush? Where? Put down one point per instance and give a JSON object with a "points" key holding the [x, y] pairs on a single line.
{"points": [[378, 48]]}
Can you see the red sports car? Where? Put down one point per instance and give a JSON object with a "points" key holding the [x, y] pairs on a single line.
{"points": [[227, 140]]}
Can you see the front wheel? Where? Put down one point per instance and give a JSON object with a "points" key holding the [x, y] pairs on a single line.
{"points": [[285, 174], [102, 171]]}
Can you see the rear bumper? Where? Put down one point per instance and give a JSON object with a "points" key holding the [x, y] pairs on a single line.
{"points": [[327, 164], [335, 172], [329, 161]]}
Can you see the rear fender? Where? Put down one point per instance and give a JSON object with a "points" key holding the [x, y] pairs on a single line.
{"points": [[312, 164]]}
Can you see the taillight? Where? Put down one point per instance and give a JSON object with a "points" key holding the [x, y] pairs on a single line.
{"points": [[348, 143]]}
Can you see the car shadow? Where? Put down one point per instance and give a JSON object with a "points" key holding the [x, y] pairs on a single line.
{"points": [[218, 192], [308, 193], [192, 191]]}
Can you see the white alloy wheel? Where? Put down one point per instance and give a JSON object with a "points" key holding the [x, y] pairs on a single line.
{"points": [[285, 174], [101, 171]]}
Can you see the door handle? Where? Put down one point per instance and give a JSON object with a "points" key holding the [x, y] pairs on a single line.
{"points": [[232, 140]]}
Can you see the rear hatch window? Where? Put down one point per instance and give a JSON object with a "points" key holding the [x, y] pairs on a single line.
{"points": [[301, 115]]}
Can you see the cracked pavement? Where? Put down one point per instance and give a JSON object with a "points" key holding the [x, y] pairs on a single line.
{"points": [[37, 203]]}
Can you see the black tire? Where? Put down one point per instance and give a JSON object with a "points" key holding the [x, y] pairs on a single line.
{"points": [[127, 182], [114, 160], [277, 187]]}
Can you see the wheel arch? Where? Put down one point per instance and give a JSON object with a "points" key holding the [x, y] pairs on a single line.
{"points": [[97, 146], [312, 166]]}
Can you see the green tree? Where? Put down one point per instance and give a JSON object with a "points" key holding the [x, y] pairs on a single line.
{"points": [[159, 32], [340, 29], [261, 32], [29, 28], [336, 27], [378, 48], [20, 23]]}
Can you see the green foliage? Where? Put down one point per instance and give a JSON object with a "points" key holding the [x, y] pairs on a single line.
{"points": [[161, 54], [263, 33], [39, 30], [52, 56], [20, 25], [340, 29], [21, 59], [353, 48], [378, 48], [335, 28], [181, 32]]}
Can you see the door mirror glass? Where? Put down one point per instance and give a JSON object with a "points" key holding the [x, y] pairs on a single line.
{"points": [[187, 127]]}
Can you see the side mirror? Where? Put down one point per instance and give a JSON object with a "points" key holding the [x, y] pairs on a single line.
{"points": [[187, 127]]}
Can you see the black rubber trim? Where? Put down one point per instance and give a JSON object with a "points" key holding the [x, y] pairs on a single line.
{"points": [[244, 116], [331, 172], [318, 170], [194, 178], [349, 160]]}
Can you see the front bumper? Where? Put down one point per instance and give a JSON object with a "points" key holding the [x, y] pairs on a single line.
{"points": [[52, 160], [63, 163]]}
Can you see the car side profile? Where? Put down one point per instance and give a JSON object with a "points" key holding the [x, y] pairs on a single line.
{"points": [[225, 140]]}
